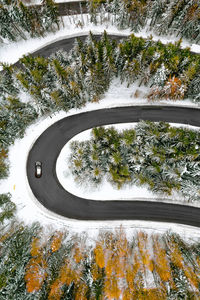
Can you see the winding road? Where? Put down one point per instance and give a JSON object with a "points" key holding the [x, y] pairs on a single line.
{"points": [[46, 149], [54, 197]]}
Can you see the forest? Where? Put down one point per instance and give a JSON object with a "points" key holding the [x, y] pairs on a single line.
{"points": [[161, 157], [37, 262], [178, 17], [17, 21], [168, 18], [41, 264], [71, 80]]}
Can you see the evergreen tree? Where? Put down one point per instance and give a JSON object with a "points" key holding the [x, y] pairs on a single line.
{"points": [[7, 83], [50, 15]]}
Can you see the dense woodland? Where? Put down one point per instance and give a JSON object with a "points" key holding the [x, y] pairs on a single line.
{"points": [[57, 265], [178, 17], [67, 80], [157, 155], [70, 80], [35, 264], [169, 71], [17, 21]]}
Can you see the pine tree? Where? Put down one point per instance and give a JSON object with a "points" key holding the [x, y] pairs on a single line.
{"points": [[7, 83], [50, 15]]}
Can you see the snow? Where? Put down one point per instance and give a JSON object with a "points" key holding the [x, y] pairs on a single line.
{"points": [[13, 51], [119, 94], [195, 48], [105, 191]]}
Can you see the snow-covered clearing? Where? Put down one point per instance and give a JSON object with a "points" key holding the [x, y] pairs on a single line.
{"points": [[29, 209], [105, 191], [12, 52]]}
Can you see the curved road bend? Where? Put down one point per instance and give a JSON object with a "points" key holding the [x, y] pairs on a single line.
{"points": [[54, 197], [66, 44]]}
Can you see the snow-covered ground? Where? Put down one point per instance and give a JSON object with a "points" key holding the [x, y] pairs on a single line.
{"points": [[105, 191], [12, 52]]}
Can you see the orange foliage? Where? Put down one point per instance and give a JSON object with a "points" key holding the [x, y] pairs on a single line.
{"points": [[109, 266], [95, 272], [55, 292], [177, 259], [81, 292], [176, 256], [111, 288], [174, 88], [191, 276], [3, 153], [155, 294], [99, 255], [131, 272], [198, 261], [161, 263], [67, 275], [144, 253], [113, 255], [78, 254], [174, 84], [119, 266], [35, 274], [35, 247], [193, 13], [56, 242], [122, 254], [130, 276], [127, 294], [123, 265], [122, 244]]}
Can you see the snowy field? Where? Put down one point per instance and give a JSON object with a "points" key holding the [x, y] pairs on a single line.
{"points": [[105, 191]]}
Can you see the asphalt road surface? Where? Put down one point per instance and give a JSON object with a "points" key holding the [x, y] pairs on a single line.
{"points": [[54, 197], [66, 45]]}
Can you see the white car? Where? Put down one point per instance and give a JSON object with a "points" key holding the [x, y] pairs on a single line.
{"points": [[38, 169]]}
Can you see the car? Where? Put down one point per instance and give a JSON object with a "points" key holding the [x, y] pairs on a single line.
{"points": [[38, 169]]}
